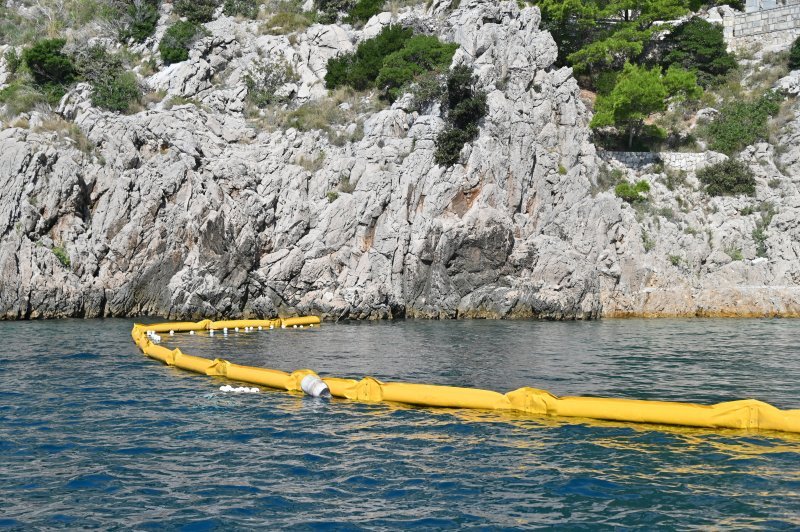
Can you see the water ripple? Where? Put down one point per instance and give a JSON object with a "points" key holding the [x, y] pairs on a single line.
{"points": [[93, 434]]}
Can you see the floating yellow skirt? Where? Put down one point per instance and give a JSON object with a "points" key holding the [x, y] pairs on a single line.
{"points": [[744, 414]]}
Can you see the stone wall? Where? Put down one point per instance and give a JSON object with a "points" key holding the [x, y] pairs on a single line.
{"points": [[687, 162], [768, 27]]}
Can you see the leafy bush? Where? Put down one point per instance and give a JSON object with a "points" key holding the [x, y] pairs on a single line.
{"points": [[734, 253], [117, 92], [113, 88], [419, 54], [285, 22], [740, 124], [698, 46], [197, 11], [174, 46], [19, 97], [466, 106], [62, 255], [51, 69], [632, 193], [794, 55], [265, 79], [242, 8], [141, 20], [360, 68], [760, 232], [390, 61], [364, 10], [450, 142], [427, 89], [330, 9], [728, 178], [12, 60]]}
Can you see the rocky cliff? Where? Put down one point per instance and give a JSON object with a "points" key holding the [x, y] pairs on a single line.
{"points": [[191, 210]]}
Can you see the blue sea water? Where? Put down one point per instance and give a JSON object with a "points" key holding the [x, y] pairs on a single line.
{"points": [[95, 435]]}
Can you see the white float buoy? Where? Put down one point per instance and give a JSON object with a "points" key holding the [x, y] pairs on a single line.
{"points": [[294, 326], [211, 332], [259, 327], [271, 327], [301, 326], [172, 333], [236, 329], [191, 333], [314, 386], [224, 329]]}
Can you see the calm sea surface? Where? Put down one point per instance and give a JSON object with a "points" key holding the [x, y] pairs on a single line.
{"points": [[94, 434]]}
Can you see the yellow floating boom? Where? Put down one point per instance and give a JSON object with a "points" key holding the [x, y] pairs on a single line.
{"points": [[745, 414]]}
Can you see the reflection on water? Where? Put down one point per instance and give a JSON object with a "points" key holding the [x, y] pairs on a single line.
{"points": [[93, 434]]}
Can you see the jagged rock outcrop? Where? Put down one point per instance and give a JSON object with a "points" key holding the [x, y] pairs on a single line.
{"points": [[191, 211]]}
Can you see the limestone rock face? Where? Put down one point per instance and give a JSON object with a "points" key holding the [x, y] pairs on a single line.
{"points": [[190, 211]]}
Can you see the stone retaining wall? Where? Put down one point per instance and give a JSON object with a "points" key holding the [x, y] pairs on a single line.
{"points": [[769, 27], [687, 162]]}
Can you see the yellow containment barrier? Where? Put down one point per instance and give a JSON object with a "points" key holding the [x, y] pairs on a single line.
{"points": [[746, 414]]}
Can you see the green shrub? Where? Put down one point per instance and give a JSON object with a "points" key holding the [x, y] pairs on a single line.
{"points": [[760, 232], [740, 124], [174, 46], [12, 60], [117, 92], [242, 8], [734, 253], [197, 11], [360, 68], [427, 89], [51, 69], [142, 18], [113, 88], [648, 243], [632, 193], [364, 10], [265, 79], [466, 106], [285, 22], [794, 55], [420, 54], [62, 255], [330, 9], [698, 45], [19, 97], [450, 142], [468, 111], [728, 178]]}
